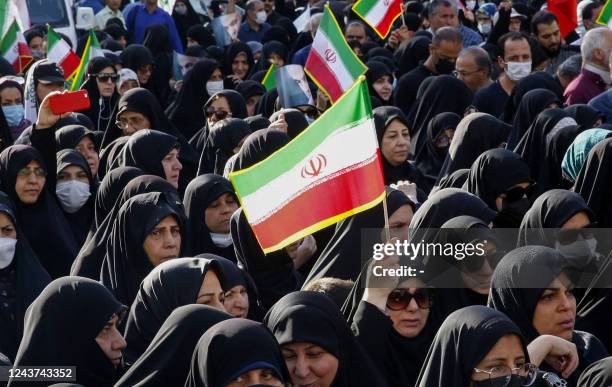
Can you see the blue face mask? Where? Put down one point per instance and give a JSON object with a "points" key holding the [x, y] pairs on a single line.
{"points": [[13, 114]]}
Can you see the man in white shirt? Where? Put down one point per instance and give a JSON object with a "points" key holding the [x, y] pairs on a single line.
{"points": [[110, 11]]}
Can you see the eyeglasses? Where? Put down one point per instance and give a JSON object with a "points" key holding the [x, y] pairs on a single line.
{"points": [[500, 376], [474, 263], [457, 73], [517, 193], [132, 121], [399, 299], [105, 77], [567, 237], [220, 114], [38, 172]]}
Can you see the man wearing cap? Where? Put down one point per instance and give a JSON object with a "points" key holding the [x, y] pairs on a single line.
{"points": [[48, 77]]}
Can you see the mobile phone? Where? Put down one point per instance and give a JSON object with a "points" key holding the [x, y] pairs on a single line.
{"points": [[69, 102]]}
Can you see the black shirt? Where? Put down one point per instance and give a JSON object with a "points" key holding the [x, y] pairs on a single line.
{"points": [[408, 85], [491, 99]]}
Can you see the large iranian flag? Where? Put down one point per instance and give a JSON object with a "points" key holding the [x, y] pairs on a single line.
{"points": [[331, 63], [379, 14], [605, 16], [15, 49], [92, 50], [60, 52], [329, 172]]}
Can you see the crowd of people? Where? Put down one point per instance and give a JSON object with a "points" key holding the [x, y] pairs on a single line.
{"points": [[124, 251]]}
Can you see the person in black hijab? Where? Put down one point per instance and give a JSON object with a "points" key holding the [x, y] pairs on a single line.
{"points": [[237, 348], [532, 104], [310, 321], [186, 112], [453, 357], [380, 81], [295, 119], [238, 63], [178, 282], [210, 200], [445, 94], [536, 148], [258, 122], [89, 261], [157, 40], [139, 59], [585, 115], [274, 273], [102, 92], [598, 374], [224, 140], [83, 140], [131, 253], [476, 133], [41, 219], [166, 360], [531, 285], [198, 34], [184, 17], [22, 278], [214, 112], [593, 185], [251, 91], [76, 192], [272, 51], [497, 177], [440, 131], [267, 103], [82, 316], [394, 140], [415, 51], [454, 180]]}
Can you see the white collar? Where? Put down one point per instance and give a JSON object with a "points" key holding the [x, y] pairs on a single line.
{"points": [[605, 75]]}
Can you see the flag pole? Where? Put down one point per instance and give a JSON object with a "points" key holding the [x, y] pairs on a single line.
{"points": [[403, 18], [386, 213]]}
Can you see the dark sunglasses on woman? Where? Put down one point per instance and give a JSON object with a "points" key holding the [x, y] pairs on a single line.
{"points": [[220, 114], [399, 299], [105, 77]]}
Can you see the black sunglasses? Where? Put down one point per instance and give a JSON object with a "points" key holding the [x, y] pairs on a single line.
{"points": [[399, 299], [474, 263], [517, 193], [220, 114], [105, 77], [567, 237]]}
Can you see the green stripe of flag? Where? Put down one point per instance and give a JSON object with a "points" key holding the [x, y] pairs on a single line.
{"points": [[364, 6], [606, 14], [334, 34], [9, 39], [79, 74], [353, 107], [269, 80]]}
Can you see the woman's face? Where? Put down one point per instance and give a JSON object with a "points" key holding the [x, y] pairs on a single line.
{"points": [[258, 377], [237, 301], [508, 352], [30, 182], [396, 143], [276, 59], [384, 87], [219, 104], [251, 104], [172, 167], [216, 76], [555, 313], [106, 88], [191, 42], [218, 213], [127, 85], [211, 293], [444, 139], [240, 66], [411, 320], [579, 220], [111, 341], [144, 73], [131, 122], [399, 222], [164, 241], [479, 280], [87, 148], [7, 228], [499, 201], [310, 364], [72, 172]]}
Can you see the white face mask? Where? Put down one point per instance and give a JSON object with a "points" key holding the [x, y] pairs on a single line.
{"points": [[484, 28], [518, 70], [7, 251], [213, 87], [260, 17], [221, 240], [72, 195]]}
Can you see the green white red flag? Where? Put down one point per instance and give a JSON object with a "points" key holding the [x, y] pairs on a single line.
{"points": [[92, 50], [379, 14], [605, 16], [60, 52], [315, 180], [331, 63], [15, 49]]}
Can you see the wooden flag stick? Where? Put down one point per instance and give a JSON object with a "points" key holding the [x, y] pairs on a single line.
{"points": [[386, 212]]}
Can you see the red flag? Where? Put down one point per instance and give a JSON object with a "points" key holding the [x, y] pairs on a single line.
{"points": [[565, 11]]}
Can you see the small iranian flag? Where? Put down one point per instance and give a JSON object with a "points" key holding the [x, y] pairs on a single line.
{"points": [[605, 16], [331, 63], [316, 180], [14, 48], [379, 14], [92, 50], [60, 52], [269, 80]]}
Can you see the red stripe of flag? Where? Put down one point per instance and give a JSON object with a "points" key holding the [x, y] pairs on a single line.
{"points": [[70, 63], [299, 212], [394, 11], [318, 69]]}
